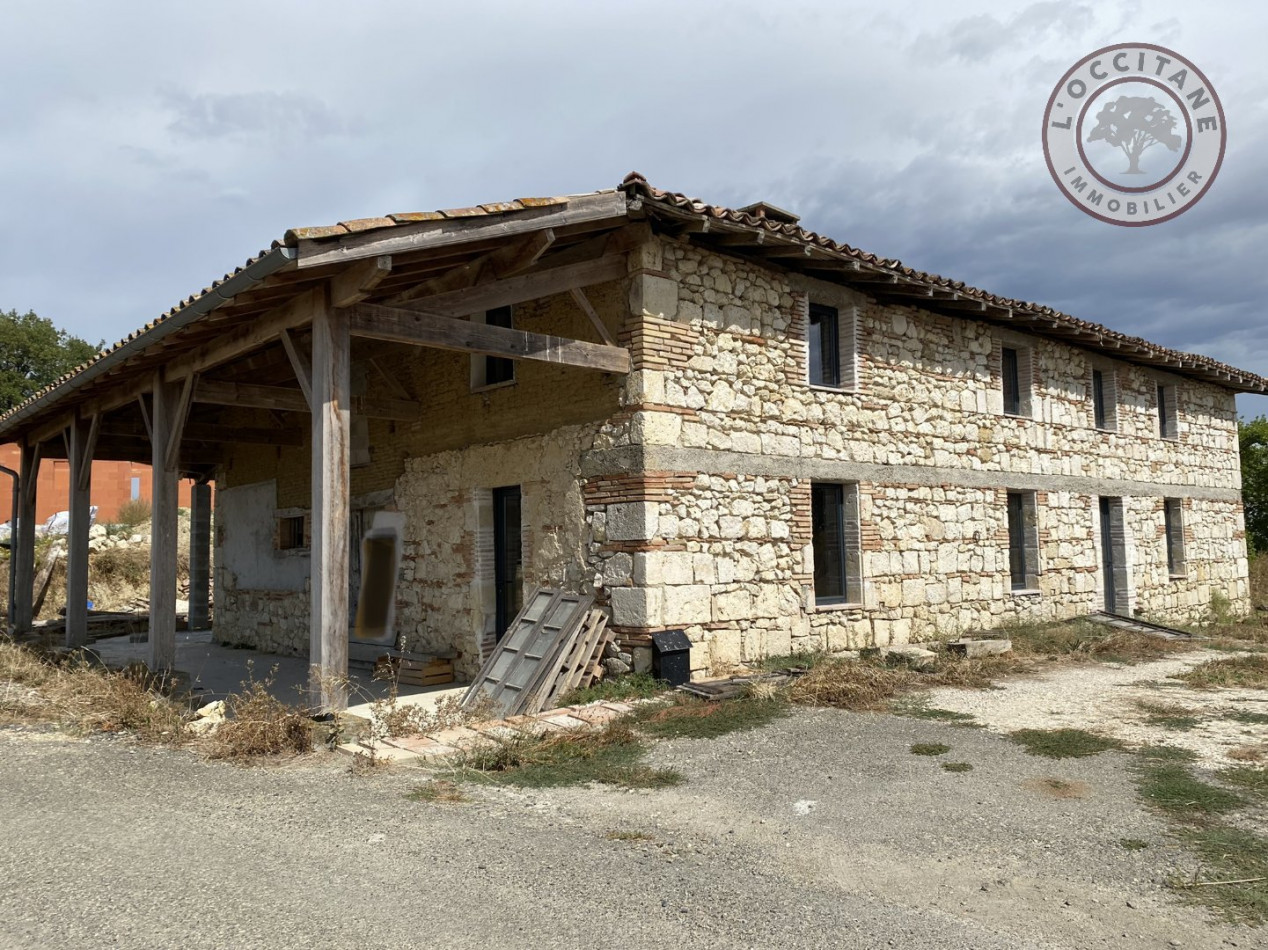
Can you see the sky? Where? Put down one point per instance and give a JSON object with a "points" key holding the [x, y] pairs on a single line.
{"points": [[148, 148]]}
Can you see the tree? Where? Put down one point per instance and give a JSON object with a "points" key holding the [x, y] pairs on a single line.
{"points": [[1134, 124], [34, 353], [1252, 438]]}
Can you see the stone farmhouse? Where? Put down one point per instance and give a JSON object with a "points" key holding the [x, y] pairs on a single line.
{"points": [[712, 419]]}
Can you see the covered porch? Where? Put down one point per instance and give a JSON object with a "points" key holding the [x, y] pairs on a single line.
{"points": [[297, 355]]}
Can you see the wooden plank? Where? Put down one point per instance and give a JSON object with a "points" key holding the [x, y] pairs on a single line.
{"points": [[143, 402], [163, 501], [331, 422], [533, 286], [172, 455], [427, 329], [450, 231], [497, 264], [77, 532], [24, 538], [301, 364], [579, 297], [250, 395], [355, 284], [202, 432]]}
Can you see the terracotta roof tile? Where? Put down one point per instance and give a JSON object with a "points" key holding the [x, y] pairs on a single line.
{"points": [[411, 217], [366, 224], [464, 212]]}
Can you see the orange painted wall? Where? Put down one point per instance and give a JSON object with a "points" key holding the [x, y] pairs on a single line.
{"points": [[111, 486]]}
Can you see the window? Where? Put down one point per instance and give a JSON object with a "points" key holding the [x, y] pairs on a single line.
{"points": [[1023, 541], [493, 370], [290, 533], [136, 488], [508, 567], [1167, 415], [1173, 527], [835, 527], [831, 341], [825, 364], [1015, 377], [1104, 388]]}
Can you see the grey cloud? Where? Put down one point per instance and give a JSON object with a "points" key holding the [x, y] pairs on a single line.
{"points": [[274, 115], [983, 36]]}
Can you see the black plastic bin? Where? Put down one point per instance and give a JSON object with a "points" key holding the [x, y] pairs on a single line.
{"points": [[671, 657]]}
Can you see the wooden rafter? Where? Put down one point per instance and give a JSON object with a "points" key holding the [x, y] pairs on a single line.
{"points": [[441, 332], [497, 264]]}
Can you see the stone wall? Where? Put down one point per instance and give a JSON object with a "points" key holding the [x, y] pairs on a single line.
{"points": [[722, 436]]}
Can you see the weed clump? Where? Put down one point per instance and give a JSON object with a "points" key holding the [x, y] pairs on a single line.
{"points": [[259, 724], [616, 689], [691, 718], [1063, 743], [1243, 672], [957, 767], [930, 748]]}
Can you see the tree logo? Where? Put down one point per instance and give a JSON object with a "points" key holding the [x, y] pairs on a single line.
{"points": [[1134, 134]]}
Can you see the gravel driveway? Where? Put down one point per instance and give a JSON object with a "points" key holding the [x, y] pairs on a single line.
{"points": [[821, 830]]}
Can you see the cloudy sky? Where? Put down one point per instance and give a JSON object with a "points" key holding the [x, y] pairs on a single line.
{"points": [[146, 148]]}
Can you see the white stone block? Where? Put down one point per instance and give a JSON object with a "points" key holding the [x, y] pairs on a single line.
{"points": [[637, 607], [632, 521], [686, 605], [733, 605]]}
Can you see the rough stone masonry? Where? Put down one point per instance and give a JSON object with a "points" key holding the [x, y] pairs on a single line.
{"points": [[681, 494]]}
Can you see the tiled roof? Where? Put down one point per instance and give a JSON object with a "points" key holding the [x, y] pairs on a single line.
{"points": [[636, 187], [1121, 344]]}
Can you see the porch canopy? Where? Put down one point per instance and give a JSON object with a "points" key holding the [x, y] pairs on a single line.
{"points": [[279, 334]]}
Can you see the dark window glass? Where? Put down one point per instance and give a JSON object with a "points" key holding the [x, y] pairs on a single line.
{"points": [[1012, 382], [825, 357], [1162, 411], [1171, 519], [496, 368], [1098, 397], [290, 533], [1017, 539], [827, 504], [508, 572]]}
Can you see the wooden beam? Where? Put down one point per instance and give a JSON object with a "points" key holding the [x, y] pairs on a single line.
{"points": [[181, 414], [301, 365], [445, 333], [163, 501], [24, 538], [200, 556], [252, 396], [90, 447], [355, 284], [513, 290], [208, 432], [80, 454], [391, 382], [331, 458], [449, 231], [145, 415], [579, 297], [498, 264]]}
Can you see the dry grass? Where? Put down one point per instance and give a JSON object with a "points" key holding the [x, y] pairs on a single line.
{"points": [[74, 694], [1078, 640], [1241, 672], [1249, 753], [438, 791], [391, 719], [260, 725], [1058, 788], [871, 684]]}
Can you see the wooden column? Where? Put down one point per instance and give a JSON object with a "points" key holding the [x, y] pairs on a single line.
{"points": [[24, 539], [164, 426], [80, 435], [200, 556], [331, 392]]}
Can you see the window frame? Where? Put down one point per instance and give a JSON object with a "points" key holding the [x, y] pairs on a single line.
{"points": [[1019, 377], [493, 372], [829, 356], [291, 532], [1173, 537], [847, 571], [1022, 523]]}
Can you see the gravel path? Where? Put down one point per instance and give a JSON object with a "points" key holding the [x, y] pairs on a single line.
{"points": [[1106, 698], [821, 830]]}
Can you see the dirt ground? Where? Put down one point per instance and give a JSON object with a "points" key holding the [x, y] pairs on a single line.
{"points": [[821, 829]]}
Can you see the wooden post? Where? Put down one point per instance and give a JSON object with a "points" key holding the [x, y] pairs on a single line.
{"points": [[199, 556], [331, 391], [163, 500], [24, 539], [79, 443]]}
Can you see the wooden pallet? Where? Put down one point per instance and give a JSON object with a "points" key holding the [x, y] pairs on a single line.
{"points": [[580, 661], [415, 671]]}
